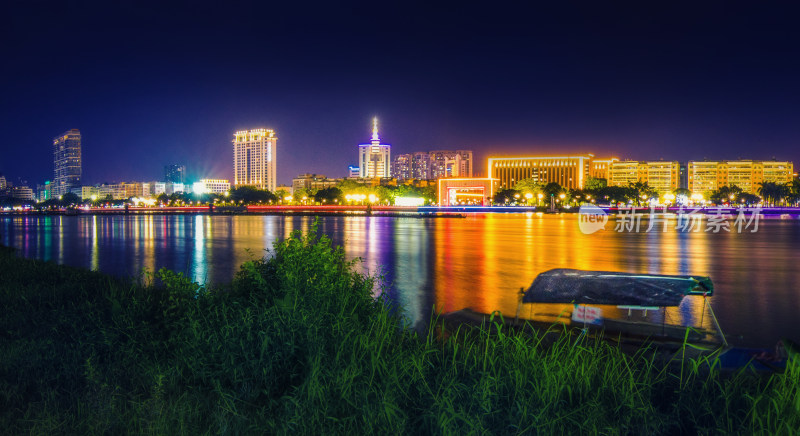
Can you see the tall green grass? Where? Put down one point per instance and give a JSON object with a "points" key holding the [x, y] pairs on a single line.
{"points": [[297, 344]]}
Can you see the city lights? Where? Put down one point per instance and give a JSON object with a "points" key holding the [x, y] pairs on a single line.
{"points": [[504, 217], [409, 201]]}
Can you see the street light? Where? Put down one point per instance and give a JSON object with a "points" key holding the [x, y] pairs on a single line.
{"points": [[540, 195], [528, 197]]}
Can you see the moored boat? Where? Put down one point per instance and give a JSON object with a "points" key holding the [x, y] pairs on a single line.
{"points": [[580, 300]]}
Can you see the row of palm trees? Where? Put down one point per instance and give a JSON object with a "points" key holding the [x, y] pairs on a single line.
{"points": [[771, 193], [776, 193]]}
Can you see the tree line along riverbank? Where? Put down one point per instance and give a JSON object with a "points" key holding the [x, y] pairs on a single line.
{"points": [[296, 343]]}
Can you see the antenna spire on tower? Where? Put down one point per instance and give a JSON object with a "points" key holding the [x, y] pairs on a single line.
{"points": [[375, 129]]}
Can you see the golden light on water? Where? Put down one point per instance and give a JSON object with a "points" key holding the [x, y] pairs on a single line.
{"points": [[479, 262]]}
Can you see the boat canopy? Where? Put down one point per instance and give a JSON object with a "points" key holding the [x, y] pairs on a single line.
{"points": [[614, 288]]}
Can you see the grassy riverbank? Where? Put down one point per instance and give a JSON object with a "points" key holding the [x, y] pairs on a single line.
{"points": [[296, 344]]}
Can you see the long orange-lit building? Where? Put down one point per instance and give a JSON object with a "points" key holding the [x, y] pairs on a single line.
{"points": [[701, 177], [708, 176], [568, 171]]}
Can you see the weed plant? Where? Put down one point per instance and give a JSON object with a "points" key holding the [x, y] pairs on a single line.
{"points": [[296, 344]]}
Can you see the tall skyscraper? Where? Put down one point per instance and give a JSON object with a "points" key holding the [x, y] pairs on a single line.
{"points": [[254, 158], [66, 162], [374, 159], [175, 173]]}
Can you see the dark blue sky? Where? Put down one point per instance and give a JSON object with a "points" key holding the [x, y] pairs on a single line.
{"points": [[150, 84]]}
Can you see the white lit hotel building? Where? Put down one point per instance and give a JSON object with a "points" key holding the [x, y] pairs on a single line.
{"points": [[254, 158], [374, 159], [211, 186]]}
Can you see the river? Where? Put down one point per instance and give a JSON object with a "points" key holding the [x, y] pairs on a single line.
{"points": [[480, 261]]}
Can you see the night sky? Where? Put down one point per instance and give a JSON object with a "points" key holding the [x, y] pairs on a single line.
{"points": [[149, 84]]}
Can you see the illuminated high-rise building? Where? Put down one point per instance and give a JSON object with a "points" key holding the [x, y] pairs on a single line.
{"points": [[254, 158], [374, 158], [66, 162]]}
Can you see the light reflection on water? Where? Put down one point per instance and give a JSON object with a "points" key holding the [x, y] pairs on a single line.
{"points": [[479, 262]]}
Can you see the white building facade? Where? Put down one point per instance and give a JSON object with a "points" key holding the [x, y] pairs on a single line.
{"points": [[211, 186], [254, 161], [374, 158]]}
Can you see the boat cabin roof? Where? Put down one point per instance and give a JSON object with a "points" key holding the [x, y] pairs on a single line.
{"points": [[614, 288]]}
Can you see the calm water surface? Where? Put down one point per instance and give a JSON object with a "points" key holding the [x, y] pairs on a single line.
{"points": [[480, 262]]}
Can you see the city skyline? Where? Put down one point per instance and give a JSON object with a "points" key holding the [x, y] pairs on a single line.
{"points": [[399, 217], [715, 82], [481, 169]]}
